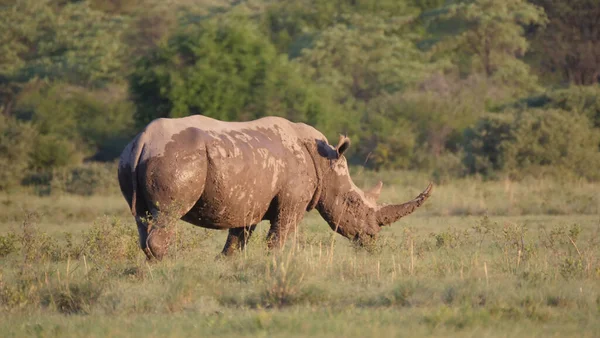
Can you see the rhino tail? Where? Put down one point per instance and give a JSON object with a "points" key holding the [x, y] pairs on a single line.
{"points": [[136, 153]]}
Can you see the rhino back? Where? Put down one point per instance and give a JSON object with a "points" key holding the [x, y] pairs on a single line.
{"points": [[225, 174]]}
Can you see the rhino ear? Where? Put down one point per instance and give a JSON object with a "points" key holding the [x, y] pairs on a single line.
{"points": [[330, 152], [343, 145]]}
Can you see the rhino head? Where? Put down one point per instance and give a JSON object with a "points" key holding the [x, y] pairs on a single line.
{"points": [[349, 211]]}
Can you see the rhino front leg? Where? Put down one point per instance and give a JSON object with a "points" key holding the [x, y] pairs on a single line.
{"points": [[281, 228], [237, 239]]}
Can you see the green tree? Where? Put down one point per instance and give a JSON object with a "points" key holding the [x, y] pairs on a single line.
{"points": [[570, 44], [214, 69], [426, 5], [364, 58], [71, 42], [493, 39], [387, 140], [292, 24], [224, 69], [366, 61]]}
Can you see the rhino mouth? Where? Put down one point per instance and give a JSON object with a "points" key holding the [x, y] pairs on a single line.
{"points": [[364, 238], [364, 241]]}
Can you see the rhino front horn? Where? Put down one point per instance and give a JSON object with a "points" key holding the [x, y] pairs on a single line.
{"points": [[391, 213]]}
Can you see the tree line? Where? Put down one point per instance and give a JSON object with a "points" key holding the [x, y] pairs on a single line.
{"points": [[453, 88]]}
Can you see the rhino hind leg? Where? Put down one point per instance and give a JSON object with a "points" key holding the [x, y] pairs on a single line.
{"points": [[237, 239], [143, 235]]}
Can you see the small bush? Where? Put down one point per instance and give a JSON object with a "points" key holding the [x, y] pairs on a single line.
{"points": [[111, 240], [401, 295], [452, 238], [8, 244], [36, 245], [70, 297], [187, 239], [284, 281], [91, 179], [571, 268], [17, 295]]}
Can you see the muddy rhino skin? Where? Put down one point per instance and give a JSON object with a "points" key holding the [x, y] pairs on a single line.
{"points": [[232, 175]]}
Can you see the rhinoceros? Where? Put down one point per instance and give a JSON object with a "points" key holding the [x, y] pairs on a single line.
{"points": [[233, 175]]}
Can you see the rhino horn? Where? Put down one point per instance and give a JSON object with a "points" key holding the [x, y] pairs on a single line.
{"points": [[391, 213], [373, 193]]}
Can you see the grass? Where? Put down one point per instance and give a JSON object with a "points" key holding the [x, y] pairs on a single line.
{"points": [[467, 264]]}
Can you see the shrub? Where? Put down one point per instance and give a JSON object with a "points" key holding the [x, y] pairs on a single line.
{"points": [[534, 142], [584, 100], [552, 140], [284, 282], [54, 151], [110, 240], [72, 297], [16, 144], [37, 245], [483, 143], [8, 244], [418, 129], [93, 178], [74, 123]]}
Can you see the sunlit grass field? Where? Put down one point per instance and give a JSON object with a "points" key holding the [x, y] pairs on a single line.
{"points": [[479, 259]]}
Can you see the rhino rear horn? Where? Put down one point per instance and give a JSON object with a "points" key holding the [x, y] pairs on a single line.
{"points": [[373, 193]]}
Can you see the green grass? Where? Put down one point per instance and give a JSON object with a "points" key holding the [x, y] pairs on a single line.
{"points": [[69, 266]]}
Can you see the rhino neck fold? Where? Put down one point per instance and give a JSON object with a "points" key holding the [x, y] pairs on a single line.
{"points": [[319, 175]]}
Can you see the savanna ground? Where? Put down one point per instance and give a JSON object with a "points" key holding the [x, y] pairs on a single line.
{"points": [[478, 259]]}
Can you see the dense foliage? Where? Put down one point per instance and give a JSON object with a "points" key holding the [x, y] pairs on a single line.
{"points": [[459, 87]]}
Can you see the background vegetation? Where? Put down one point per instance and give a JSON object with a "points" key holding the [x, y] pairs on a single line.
{"points": [[452, 88], [497, 101]]}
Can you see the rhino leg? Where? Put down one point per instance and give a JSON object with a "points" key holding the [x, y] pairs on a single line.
{"points": [[237, 239], [288, 210], [143, 234], [281, 226]]}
